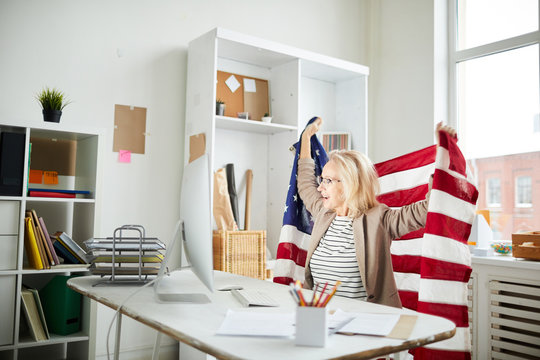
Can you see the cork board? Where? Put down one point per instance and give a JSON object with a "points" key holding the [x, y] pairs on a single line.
{"points": [[53, 155], [129, 128], [256, 103]]}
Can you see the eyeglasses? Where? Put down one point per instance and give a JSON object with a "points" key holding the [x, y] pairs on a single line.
{"points": [[326, 181]]}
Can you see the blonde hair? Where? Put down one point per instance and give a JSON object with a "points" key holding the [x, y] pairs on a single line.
{"points": [[359, 178]]}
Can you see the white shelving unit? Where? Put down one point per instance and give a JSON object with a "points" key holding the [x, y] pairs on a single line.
{"points": [[301, 84], [75, 216]]}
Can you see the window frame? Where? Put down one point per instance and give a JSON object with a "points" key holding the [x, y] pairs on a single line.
{"points": [[488, 193], [518, 204], [456, 56]]}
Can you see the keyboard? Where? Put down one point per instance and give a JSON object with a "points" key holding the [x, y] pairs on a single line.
{"points": [[253, 298]]}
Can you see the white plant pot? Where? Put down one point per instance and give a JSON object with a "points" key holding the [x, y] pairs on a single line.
{"points": [[266, 119]]}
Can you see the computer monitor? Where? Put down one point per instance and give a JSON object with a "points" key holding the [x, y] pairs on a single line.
{"points": [[195, 229]]}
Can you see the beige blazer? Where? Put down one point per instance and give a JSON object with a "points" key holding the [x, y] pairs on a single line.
{"points": [[373, 233]]}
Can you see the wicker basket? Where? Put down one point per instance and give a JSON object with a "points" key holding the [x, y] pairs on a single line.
{"points": [[241, 252]]}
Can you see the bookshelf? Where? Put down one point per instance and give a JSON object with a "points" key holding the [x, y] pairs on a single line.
{"points": [[75, 216], [301, 84]]}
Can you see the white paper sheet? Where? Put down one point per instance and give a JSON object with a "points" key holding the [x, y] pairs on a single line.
{"points": [[232, 83], [250, 323], [371, 324], [249, 85]]}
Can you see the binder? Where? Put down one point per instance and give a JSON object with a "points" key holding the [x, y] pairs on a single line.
{"points": [[65, 254], [31, 313], [49, 241], [39, 243], [30, 245], [41, 235], [74, 248], [11, 163], [61, 305], [41, 314]]}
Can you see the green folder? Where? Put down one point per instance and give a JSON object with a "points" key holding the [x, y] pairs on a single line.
{"points": [[61, 305]]}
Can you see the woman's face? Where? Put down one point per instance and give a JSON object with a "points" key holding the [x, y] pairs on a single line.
{"points": [[331, 189]]}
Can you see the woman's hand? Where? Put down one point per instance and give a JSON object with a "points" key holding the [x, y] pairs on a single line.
{"points": [[450, 130], [312, 128]]}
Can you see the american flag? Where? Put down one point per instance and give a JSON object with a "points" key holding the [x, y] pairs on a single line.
{"points": [[297, 223], [432, 266]]}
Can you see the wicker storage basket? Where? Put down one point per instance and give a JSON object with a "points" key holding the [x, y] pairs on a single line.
{"points": [[240, 252]]}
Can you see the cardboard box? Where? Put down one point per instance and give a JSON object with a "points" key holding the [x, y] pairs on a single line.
{"points": [[531, 249]]}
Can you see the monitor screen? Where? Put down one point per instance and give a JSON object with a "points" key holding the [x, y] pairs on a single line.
{"points": [[194, 231]]}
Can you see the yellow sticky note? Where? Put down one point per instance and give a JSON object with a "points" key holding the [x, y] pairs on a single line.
{"points": [[50, 177], [124, 156], [36, 177]]}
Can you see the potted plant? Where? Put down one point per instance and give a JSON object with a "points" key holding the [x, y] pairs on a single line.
{"points": [[266, 118], [220, 107], [52, 102]]}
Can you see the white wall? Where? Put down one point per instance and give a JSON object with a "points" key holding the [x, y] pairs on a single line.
{"points": [[408, 75], [134, 52]]}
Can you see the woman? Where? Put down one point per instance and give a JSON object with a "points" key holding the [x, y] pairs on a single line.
{"points": [[352, 232]]}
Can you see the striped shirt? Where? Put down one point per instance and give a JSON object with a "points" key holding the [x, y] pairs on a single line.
{"points": [[335, 259]]}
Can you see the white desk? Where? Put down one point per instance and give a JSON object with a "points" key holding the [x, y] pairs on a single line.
{"points": [[196, 324]]}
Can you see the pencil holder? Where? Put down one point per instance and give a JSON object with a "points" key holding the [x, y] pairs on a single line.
{"points": [[311, 326]]}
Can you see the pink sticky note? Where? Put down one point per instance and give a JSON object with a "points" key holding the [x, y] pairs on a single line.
{"points": [[124, 156]]}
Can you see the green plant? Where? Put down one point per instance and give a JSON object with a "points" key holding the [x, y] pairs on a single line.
{"points": [[266, 115], [219, 101], [52, 99]]}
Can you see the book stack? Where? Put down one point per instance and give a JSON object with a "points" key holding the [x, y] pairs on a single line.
{"points": [[68, 249], [34, 315], [56, 193], [38, 243], [45, 251]]}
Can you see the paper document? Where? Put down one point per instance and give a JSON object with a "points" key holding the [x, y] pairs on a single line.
{"points": [[249, 323], [371, 324]]}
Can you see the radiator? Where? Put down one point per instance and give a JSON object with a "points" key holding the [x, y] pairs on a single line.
{"points": [[514, 322]]}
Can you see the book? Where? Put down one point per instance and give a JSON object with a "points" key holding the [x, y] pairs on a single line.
{"points": [[51, 194], [39, 243], [63, 191], [30, 245], [39, 306], [49, 241], [42, 237], [65, 253], [11, 163], [73, 247], [31, 314]]}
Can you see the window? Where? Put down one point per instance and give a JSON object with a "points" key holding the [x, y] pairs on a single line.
{"points": [[523, 191], [494, 101], [493, 192]]}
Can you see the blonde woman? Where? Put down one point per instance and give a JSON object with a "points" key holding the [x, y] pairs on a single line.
{"points": [[352, 232]]}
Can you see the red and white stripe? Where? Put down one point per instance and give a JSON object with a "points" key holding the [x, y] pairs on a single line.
{"points": [[291, 255], [432, 266]]}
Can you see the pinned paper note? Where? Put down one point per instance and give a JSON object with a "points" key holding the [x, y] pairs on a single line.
{"points": [[249, 85], [36, 177], [50, 177], [124, 156], [129, 128], [232, 83]]}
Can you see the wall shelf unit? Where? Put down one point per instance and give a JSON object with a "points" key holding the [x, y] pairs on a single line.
{"points": [[75, 216], [301, 84]]}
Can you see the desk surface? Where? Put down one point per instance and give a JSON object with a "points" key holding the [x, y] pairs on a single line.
{"points": [[196, 324]]}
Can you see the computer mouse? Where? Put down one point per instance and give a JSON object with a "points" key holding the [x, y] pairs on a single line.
{"points": [[230, 287]]}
